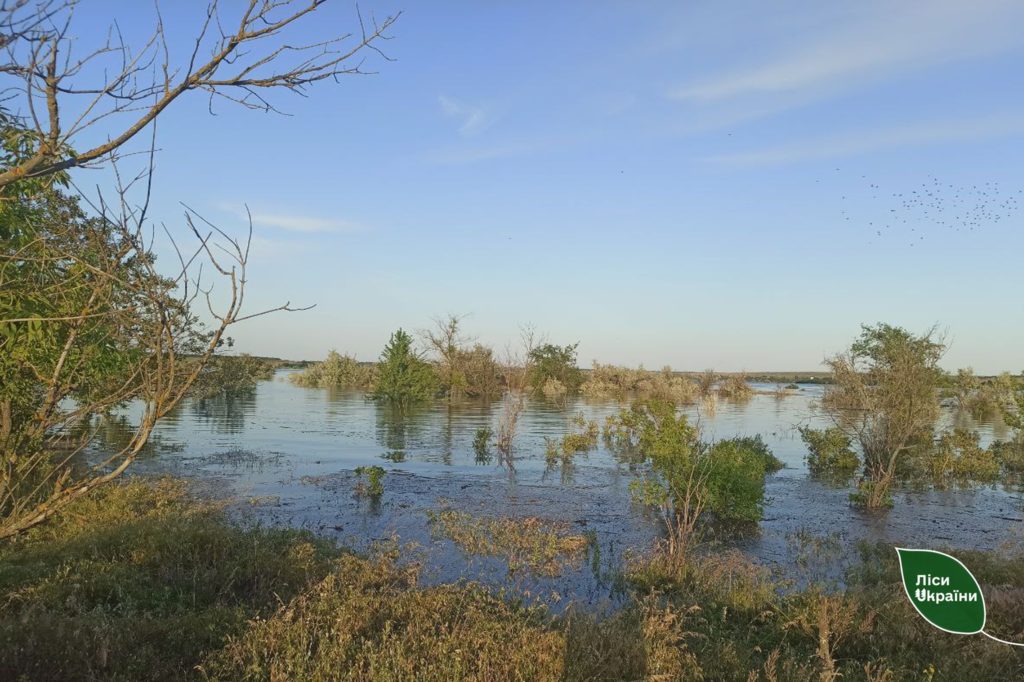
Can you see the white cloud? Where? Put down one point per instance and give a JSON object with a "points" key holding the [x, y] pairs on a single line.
{"points": [[472, 119], [860, 142], [866, 42], [291, 222]]}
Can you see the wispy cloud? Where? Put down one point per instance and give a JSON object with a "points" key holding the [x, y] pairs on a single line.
{"points": [[472, 119], [291, 222], [868, 43], [862, 142]]}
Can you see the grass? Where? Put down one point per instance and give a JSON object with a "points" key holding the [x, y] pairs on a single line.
{"points": [[139, 581], [144, 582], [541, 547]]}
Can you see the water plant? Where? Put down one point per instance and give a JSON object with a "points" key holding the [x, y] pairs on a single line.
{"points": [[373, 487]]}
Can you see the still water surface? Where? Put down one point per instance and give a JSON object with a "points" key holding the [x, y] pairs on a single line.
{"points": [[291, 450]]}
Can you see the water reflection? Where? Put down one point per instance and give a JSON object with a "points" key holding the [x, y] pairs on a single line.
{"points": [[307, 443]]}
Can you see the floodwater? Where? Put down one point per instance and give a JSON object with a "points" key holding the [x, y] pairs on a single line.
{"points": [[287, 455]]}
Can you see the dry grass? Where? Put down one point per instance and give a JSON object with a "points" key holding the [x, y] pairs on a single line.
{"points": [[541, 547]]}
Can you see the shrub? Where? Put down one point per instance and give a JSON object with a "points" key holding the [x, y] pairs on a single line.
{"points": [[369, 621], [690, 477], [558, 363], [829, 454], [230, 376], [403, 378], [533, 544], [735, 387], [481, 444], [609, 381], [957, 458], [337, 371]]}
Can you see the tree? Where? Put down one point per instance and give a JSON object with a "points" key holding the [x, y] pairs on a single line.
{"points": [[551, 363], [448, 342], [60, 93], [403, 378], [463, 370], [87, 323], [884, 396]]}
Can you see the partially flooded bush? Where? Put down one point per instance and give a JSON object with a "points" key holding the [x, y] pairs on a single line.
{"points": [[403, 377], [688, 477], [1010, 455], [735, 387], [337, 371], [829, 453], [553, 389], [619, 383], [956, 458], [481, 444], [553, 369], [231, 375]]}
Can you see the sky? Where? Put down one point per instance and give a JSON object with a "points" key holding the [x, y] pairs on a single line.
{"points": [[725, 185]]}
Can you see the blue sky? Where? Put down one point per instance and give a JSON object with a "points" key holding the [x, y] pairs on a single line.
{"points": [[699, 184]]}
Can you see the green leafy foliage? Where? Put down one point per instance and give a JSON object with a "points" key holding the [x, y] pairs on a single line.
{"points": [[232, 375], [829, 453], [403, 377], [554, 366], [689, 476], [373, 486], [336, 371]]}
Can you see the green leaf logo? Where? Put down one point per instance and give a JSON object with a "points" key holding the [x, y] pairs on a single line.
{"points": [[942, 590]]}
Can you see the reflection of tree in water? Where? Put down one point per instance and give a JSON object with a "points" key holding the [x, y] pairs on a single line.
{"points": [[225, 412], [398, 428], [112, 433]]}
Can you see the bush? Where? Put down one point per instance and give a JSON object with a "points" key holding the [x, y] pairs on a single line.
{"points": [[956, 458], [403, 378], [368, 621], [735, 387], [230, 376], [829, 454], [690, 477], [337, 371], [610, 381], [552, 365]]}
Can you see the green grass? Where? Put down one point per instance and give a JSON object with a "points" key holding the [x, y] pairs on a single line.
{"points": [[144, 582], [139, 581]]}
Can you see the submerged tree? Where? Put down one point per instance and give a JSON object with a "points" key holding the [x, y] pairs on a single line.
{"points": [[885, 398], [403, 377]]}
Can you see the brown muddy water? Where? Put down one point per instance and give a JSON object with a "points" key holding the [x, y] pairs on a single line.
{"points": [[287, 455]]}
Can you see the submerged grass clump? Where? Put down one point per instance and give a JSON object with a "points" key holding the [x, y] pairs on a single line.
{"points": [[528, 544]]}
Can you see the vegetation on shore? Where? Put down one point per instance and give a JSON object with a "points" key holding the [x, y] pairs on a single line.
{"points": [[144, 582]]}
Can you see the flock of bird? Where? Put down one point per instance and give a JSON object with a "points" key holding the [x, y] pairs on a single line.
{"points": [[960, 208]]}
